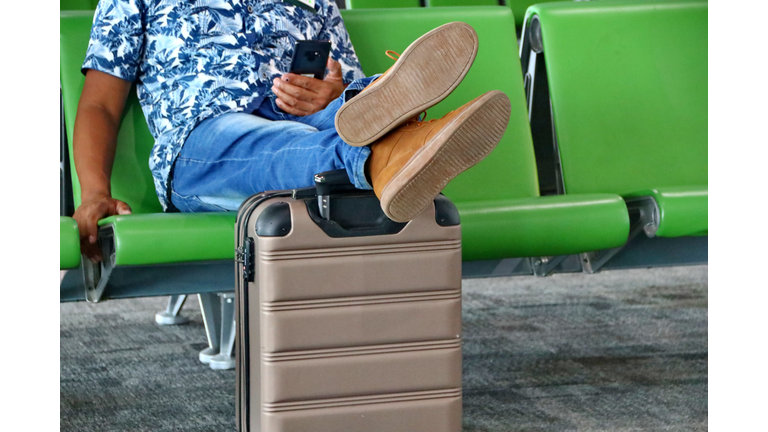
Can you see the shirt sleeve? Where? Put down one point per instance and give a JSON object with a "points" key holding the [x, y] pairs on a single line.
{"points": [[117, 37], [341, 47]]}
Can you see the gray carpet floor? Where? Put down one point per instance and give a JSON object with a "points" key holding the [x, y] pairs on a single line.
{"points": [[615, 351]]}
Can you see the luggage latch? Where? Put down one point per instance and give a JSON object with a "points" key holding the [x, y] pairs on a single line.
{"points": [[244, 257]]}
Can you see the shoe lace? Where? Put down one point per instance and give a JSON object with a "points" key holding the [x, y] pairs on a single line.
{"points": [[392, 54], [419, 119]]}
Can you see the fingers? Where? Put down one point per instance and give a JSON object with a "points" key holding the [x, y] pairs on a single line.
{"points": [[291, 110], [299, 81], [299, 95], [334, 71], [292, 105], [91, 251], [293, 94], [122, 208], [89, 235], [88, 215]]}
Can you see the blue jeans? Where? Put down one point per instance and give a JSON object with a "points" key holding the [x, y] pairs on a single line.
{"points": [[228, 158]]}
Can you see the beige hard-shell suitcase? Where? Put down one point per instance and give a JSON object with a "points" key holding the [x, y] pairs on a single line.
{"points": [[346, 320]]}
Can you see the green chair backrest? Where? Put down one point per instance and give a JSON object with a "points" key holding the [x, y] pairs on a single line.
{"points": [[131, 178], [628, 85], [86, 5], [380, 4], [510, 171], [442, 3], [520, 6]]}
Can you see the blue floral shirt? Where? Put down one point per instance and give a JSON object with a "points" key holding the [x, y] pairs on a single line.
{"points": [[196, 59]]}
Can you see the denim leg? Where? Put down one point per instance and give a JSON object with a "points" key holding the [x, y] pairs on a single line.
{"points": [[269, 150], [231, 157]]}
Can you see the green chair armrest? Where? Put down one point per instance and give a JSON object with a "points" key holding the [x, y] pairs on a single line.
{"points": [[683, 211], [542, 226], [163, 238], [69, 243]]}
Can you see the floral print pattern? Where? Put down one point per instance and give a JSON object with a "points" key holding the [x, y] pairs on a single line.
{"points": [[197, 59]]}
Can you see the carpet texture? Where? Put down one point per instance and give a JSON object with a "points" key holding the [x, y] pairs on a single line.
{"points": [[615, 351]]}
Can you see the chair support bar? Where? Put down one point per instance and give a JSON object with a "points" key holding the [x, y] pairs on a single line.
{"points": [[543, 266], [96, 276], [644, 217]]}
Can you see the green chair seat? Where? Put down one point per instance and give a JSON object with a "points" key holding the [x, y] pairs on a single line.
{"points": [[542, 226], [69, 243], [172, 238], [683, 211]]}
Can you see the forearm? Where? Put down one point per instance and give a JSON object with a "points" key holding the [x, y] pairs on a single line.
{"points": [[95, 140], [95, 135]]}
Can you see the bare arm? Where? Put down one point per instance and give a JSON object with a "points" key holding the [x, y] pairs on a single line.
{"points": [[95, 139]]}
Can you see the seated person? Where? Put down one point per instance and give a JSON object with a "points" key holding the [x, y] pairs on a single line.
{"points": [[230, 122]]}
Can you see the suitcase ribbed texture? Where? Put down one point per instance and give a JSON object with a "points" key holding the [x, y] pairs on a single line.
{"points": [[351, 334]]}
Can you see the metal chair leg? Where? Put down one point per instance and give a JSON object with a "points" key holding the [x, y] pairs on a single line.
{"points": [[226, 358], [210, 305], [170, 316]]}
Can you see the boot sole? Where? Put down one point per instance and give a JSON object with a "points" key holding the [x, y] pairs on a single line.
{"points": [[428, 71], [464, 142]]}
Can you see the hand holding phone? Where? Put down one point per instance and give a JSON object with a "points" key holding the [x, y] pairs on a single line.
{"points": [[304, 90]]}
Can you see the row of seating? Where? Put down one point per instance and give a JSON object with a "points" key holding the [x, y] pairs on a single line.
{"points": [[627, 99]]}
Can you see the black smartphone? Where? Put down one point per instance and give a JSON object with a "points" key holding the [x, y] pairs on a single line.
{"points": [[310, 57]]}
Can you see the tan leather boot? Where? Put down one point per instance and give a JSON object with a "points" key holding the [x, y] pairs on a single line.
{"points": [[411, 165], [428, 71]]}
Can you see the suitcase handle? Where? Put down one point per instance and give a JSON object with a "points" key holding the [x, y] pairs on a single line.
{"points": [[328, 183]]}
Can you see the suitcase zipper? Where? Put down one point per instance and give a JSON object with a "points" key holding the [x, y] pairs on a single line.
{"points": [[241, 291]]}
